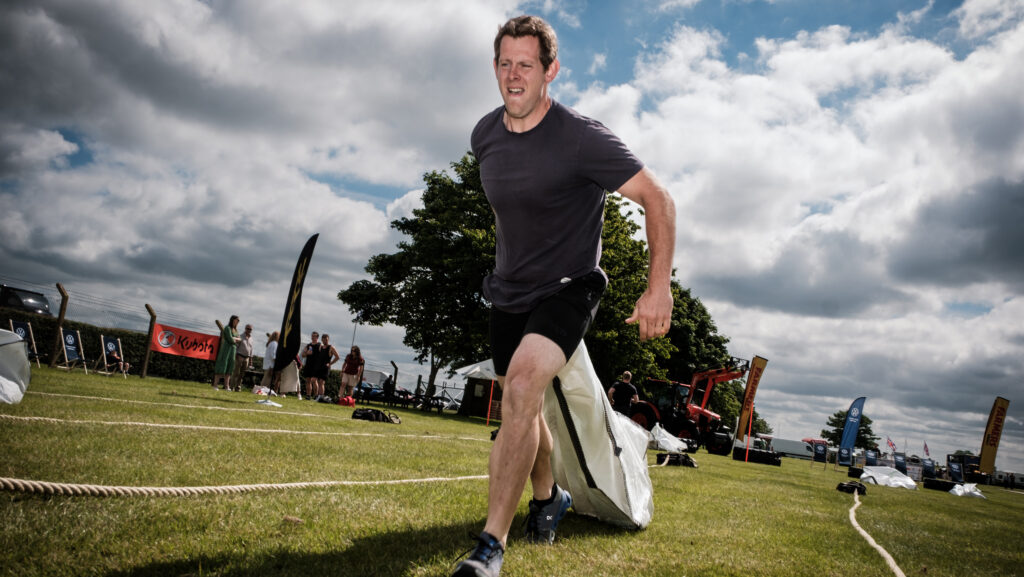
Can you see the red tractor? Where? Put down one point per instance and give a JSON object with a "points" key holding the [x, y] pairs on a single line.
{"points": [[675, 406]]}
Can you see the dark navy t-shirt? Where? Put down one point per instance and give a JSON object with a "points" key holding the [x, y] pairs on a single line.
{"points": [[547, 189]]}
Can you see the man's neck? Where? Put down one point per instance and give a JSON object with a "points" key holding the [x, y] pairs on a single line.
{"points": [[529, 122]]}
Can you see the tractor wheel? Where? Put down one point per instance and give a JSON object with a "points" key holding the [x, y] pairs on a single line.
{"points": [[719, 443], [644, 415], [691, 433]]}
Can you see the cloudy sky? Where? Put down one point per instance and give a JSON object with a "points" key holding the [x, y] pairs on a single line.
{"points": [[849, 174]]}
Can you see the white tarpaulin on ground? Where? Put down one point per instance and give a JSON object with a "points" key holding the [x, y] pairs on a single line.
{"points": [[888, 477], [15, 370], [599, 456], [967, 490], [662, 440]]}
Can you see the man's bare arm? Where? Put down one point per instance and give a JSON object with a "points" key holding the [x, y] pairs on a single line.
{"points": [[653, 311]]}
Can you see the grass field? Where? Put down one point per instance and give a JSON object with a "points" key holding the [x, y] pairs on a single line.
{"points": [[724, 518]]}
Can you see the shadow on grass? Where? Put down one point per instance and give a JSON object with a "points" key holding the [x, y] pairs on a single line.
{"points": [[388, 553]]}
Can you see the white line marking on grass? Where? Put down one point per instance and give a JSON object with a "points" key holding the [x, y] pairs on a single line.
{"points": [[234, 429], [185, 406], [48, 488], [885, 554]]}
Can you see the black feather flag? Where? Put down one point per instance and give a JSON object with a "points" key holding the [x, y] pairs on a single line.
{"points": [[291, 332]]}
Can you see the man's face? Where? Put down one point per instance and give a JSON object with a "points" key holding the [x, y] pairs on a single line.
{"points": [[522, 79], [315, 337], [248, 329]]}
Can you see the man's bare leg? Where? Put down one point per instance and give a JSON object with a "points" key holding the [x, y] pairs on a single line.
{"points": [[523, 447], [541, 477]]}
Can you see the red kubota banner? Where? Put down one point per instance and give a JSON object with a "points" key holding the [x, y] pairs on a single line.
{"points": [[175, 341]]}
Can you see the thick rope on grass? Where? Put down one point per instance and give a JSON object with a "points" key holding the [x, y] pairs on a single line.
{"points": [[77, 490], [881, 551]]}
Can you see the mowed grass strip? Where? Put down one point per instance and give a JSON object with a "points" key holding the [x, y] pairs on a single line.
{"points": [[724, 518]]}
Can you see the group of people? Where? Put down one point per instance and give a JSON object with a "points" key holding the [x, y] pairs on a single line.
{"points": [[234, 358], [319, 355]]}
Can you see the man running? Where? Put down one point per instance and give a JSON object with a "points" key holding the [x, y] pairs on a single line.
{"points": [[545, 170]]}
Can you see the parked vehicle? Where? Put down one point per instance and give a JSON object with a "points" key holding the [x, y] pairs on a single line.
{"points": [[24, 300], [682, 409]]}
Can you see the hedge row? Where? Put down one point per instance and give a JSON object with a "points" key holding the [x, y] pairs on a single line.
{"points": [[133, 344]]}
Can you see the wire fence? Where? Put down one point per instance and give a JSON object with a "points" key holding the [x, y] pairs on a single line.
{"points": [[104, 312]]}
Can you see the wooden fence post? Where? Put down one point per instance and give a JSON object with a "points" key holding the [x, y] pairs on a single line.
{"points": [[58, 339], [149, 340]]}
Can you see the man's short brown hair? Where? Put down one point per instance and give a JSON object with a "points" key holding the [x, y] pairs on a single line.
{"points": [[521, 26]]}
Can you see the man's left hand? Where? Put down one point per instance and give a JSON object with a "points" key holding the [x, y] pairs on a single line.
{"points": [[653, 313]]}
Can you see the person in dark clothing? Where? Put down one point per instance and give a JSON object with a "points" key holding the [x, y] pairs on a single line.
{"points": [[545, 170], [622, 393], [311, 356]]}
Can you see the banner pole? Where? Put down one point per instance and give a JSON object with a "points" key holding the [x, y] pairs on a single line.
{"points": [[750, 428], [490, 403]]}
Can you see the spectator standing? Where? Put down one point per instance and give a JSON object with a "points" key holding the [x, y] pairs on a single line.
{"points": [[310, 354], [269, 374], [352, 371], [622, 393], [243, 357], [225, 364], [328, 356]]}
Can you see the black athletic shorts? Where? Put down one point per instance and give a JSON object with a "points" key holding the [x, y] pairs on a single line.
{"points": [[564, 317]]}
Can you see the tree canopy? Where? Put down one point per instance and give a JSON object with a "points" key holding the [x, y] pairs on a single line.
{"points": [[866, 438], [431, 286]]}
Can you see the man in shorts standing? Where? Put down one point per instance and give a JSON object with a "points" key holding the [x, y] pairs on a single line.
{"points": [[311, 359], [546, 169]]}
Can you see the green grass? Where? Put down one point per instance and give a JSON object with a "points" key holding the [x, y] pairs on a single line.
{"points": [[724, 518]]}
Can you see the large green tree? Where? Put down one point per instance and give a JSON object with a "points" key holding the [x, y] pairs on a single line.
{"points": [[866, 438], [431, 285]]}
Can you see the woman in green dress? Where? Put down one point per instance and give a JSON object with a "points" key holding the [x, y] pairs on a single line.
{"points": [[225, 364]]}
